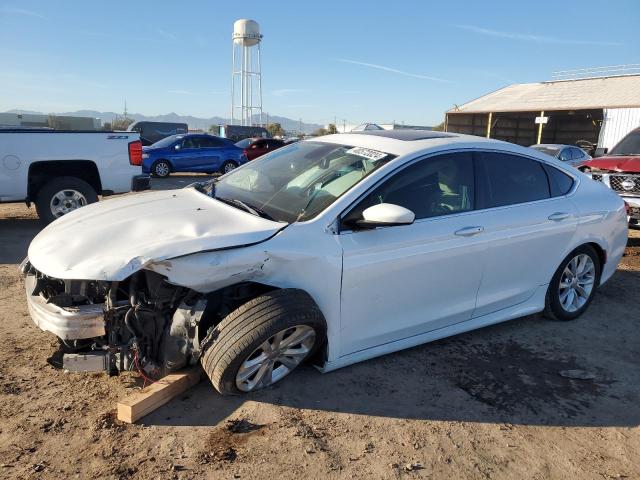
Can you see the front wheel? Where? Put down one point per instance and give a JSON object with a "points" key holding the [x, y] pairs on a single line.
{"points": [[63, 195], [262, 341], [573, 286]]}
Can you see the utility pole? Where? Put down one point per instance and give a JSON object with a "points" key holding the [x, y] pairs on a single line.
{"points": [[300, 126], [125, 109], [344, 125]]}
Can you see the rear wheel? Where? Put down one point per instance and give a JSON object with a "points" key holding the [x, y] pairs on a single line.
{"points": [[574, 284], [63, 195], [161, 169], [228, 166], [262, 341]]}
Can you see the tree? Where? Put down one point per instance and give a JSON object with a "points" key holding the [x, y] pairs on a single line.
{"points": [[331, 128], [215, 129], [439, 127], [121, 123], [275, 130], [106, 126], [320, 132], [51, 121]]}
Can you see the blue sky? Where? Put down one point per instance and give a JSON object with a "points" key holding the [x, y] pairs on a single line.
{"points": [[360, 61]]}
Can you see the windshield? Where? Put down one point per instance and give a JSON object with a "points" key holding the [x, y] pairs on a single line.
{"points": [[298, 181], [166, 142], [244, 143], [553, 151], [629, 145]]}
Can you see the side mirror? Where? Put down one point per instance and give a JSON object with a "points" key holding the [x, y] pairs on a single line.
{"points": [[605, 151], [385, 215]]}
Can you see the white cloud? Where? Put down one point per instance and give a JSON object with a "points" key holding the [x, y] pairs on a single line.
{"points": [[166, 35], [21, 11], [281, 92], [189, 92], [533, 38], [181, 92], [392, 70]]}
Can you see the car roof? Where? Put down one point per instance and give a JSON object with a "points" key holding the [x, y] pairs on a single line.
{"points": [[553, 145], [403, 142], [407, 135]]}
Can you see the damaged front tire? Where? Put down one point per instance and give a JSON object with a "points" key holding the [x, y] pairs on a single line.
{"points": [[262, 341]]}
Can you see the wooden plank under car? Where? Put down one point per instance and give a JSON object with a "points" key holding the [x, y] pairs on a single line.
{"points": [[150, 398]]}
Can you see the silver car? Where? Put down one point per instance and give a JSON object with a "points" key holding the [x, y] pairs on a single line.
{"points": [[572, 155]]}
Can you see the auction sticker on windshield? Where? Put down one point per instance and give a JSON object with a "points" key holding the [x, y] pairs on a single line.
{"points": [[373, 155]]}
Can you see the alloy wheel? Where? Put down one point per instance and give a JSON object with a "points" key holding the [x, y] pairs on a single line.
{"points": [[577, 283], [161, 169], [275, 357]]}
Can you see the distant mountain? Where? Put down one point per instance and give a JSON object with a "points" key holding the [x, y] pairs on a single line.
{"points": [[193, 122]]}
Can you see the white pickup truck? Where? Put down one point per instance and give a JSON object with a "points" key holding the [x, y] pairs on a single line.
{"points": [[60, 171]]}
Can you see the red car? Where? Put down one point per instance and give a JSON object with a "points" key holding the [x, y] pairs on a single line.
{"points": [[255, 147], [619, 169]]}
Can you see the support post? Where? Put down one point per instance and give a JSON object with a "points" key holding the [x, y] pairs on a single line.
{"points": [[489, 124], [540, 125]]}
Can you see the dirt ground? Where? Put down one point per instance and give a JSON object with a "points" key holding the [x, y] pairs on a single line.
{"points": [[530, 398]]}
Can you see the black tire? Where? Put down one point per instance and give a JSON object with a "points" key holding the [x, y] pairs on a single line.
{"points": [[226, 165], [553, 307], [230, 343], [47, 192], [161, 169]]}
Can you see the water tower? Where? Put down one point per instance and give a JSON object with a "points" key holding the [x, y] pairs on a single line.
{"points": [[246, 77]]}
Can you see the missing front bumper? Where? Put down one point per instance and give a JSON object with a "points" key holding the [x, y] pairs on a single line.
{"points": [[67, 323]]}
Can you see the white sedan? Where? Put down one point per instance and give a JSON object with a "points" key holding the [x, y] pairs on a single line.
{"points": [[336, 250]]}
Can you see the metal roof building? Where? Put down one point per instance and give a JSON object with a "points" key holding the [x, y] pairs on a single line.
{"points": [[600, 110]]}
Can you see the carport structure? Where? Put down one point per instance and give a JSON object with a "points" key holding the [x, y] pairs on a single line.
{"points": [[600, 110]]}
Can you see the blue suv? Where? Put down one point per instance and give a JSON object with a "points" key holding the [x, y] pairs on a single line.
{"points": [[191, 153]]}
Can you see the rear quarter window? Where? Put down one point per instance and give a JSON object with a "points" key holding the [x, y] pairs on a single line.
{"points": [[559, 182]]}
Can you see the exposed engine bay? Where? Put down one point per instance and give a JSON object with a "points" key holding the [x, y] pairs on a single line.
{"points": [[149, 325]]}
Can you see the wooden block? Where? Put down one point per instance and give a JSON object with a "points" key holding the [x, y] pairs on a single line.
{"points": [[139, 404]]}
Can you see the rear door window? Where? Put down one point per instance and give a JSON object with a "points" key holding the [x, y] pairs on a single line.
{"points": [[210, 142], [511, 179]]}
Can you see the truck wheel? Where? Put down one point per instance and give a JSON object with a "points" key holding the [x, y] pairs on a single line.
{"points": [[262, 341], [63, 195], [228, 166], [161, 169]]}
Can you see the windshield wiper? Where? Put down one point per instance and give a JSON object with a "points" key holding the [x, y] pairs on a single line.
{"points": [[259, 211], [234, 202]]}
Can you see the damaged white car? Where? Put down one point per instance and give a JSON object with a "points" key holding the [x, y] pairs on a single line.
{"points": [[333, 250]]}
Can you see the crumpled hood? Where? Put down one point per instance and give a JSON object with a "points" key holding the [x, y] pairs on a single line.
{"points": [[628, 164], [110, 240]]}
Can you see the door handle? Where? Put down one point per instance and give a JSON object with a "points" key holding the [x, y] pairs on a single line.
{"points": [[559, 216], [469, 231]]}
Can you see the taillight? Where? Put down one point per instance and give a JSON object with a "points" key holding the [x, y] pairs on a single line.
{"points": [[244, 152], [135, 153]]}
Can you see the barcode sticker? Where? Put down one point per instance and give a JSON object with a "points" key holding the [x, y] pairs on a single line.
{"points": [[373, 155]]}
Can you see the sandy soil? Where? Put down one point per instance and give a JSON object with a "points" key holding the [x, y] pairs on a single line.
{"points": [[496, 403]]}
